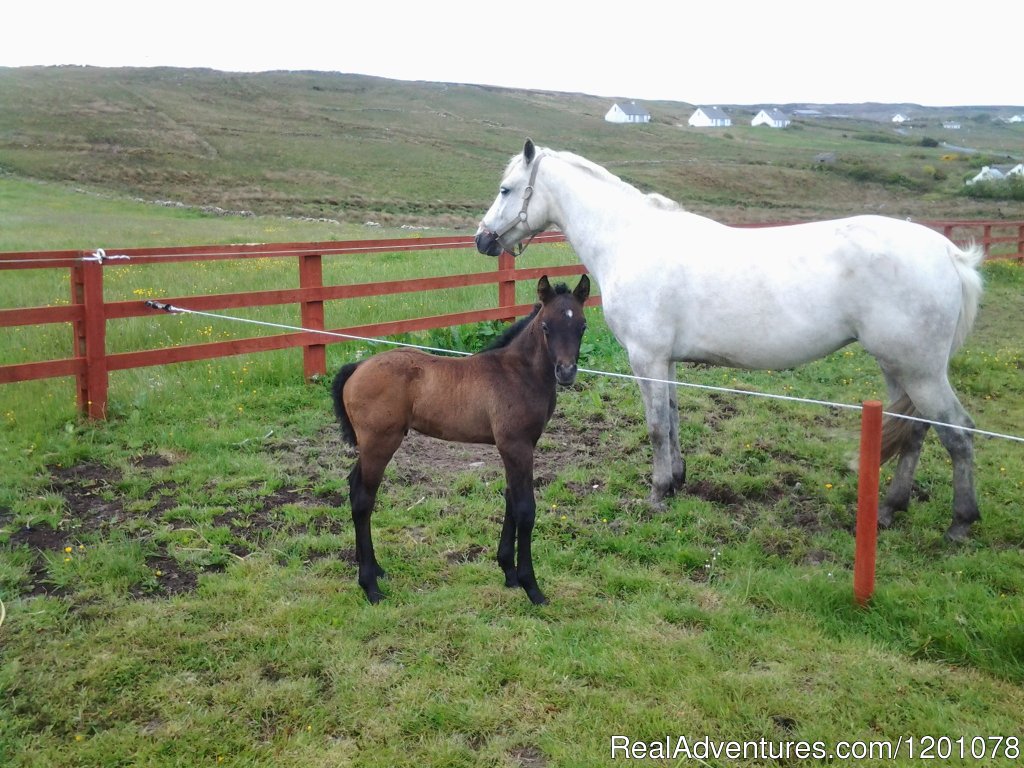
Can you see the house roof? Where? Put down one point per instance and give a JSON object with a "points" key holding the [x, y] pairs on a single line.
{"points": [[632, 108], [776, 114], [714, 113]]}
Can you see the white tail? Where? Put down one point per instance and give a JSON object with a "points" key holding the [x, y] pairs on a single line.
{"points": [[966, 262]]}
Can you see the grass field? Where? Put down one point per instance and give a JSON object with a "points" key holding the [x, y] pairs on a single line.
{"points": [[180, 588], [354, 148], [178, 584]]}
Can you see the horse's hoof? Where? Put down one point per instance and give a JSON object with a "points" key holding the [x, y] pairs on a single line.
{"points": [[537, 597], [657, 502], [512, 581], [886, 517], [958, 533]]}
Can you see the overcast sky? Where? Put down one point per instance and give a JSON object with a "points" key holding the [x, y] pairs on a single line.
{"points": [[739, 52]]}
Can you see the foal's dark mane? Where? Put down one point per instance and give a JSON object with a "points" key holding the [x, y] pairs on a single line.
{"points": [[517, 327]]}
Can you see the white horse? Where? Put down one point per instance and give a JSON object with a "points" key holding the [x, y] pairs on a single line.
{"points": [[680, 287]]}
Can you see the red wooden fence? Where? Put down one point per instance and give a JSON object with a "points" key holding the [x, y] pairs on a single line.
{"points": [[89, 312]]}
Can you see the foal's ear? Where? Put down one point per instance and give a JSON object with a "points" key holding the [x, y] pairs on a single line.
{"points": [[544, 290], [529, 151], [582, 289]]}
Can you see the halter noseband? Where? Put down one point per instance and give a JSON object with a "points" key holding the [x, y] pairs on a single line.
{"points": [[521, 218]]}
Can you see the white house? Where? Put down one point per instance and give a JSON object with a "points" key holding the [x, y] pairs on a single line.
{"points": [[952, 125], [1017, 170], [627, 112], [898, 118], [987, 174], [709, 117], [774, 118]]}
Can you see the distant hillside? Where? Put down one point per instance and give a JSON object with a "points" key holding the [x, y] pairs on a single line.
{"points": [[357, 148], [884, 113]]}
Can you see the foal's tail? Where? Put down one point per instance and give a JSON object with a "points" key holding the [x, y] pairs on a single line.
{"points": [[348, 433], [895, 432]]}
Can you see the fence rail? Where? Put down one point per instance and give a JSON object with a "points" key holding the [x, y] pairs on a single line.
{"points": [[89, 311]]}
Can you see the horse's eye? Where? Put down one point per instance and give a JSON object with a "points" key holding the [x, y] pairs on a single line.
{"points": [[504, 191], [544, 326]]}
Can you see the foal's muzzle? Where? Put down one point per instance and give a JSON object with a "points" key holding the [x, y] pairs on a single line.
{"points": [[565, 373], [488, 243]]}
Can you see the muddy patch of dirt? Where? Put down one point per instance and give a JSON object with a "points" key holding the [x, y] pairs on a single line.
{"points": [[98, 503], [433, 463], [97, 507], [470, 554]]}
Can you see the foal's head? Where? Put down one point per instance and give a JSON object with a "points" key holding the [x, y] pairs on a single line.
{"points": [[561, 319]]}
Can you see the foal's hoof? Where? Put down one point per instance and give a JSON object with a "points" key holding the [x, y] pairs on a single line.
{"points": [[537, 597], [886, 516]]}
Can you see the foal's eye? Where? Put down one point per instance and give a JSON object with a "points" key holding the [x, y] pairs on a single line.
{"points": [[544, 326]]}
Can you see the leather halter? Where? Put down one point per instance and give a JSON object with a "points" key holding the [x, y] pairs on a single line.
{"points": [[521, 218]]}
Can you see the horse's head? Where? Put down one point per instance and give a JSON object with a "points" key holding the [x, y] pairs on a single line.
{"points": [[561, 319], [508, 221]]}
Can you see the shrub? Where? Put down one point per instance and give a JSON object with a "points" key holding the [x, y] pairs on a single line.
{"points": [[927, 141], [859, 170], [999, 189], [880, 138]]}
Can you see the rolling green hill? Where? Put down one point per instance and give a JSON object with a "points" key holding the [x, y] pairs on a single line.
{"points": [[357, 148]]}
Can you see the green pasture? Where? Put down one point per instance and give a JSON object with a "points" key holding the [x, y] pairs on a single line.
{"points": [[354, 148], [179, 587]]}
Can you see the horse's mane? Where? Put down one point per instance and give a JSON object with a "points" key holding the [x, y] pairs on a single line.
{"points": [[599, 172], [517, 327]]}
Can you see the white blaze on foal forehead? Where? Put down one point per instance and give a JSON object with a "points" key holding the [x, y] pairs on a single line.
{"points": [[568, 313]]}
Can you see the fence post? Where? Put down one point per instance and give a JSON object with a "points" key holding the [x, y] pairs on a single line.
{"points": [[314, 355], [867, 502], [90, 337], [506, 288], [1020, 244]]}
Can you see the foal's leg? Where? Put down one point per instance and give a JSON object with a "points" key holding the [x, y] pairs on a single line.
{"points": [[507, 543], [363, 483], [657, 407], [520, 515], [363, 497]]}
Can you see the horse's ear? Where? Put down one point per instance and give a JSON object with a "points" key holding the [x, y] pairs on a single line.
{"points": [[544, 291], [529, 151], [582, 289]]}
